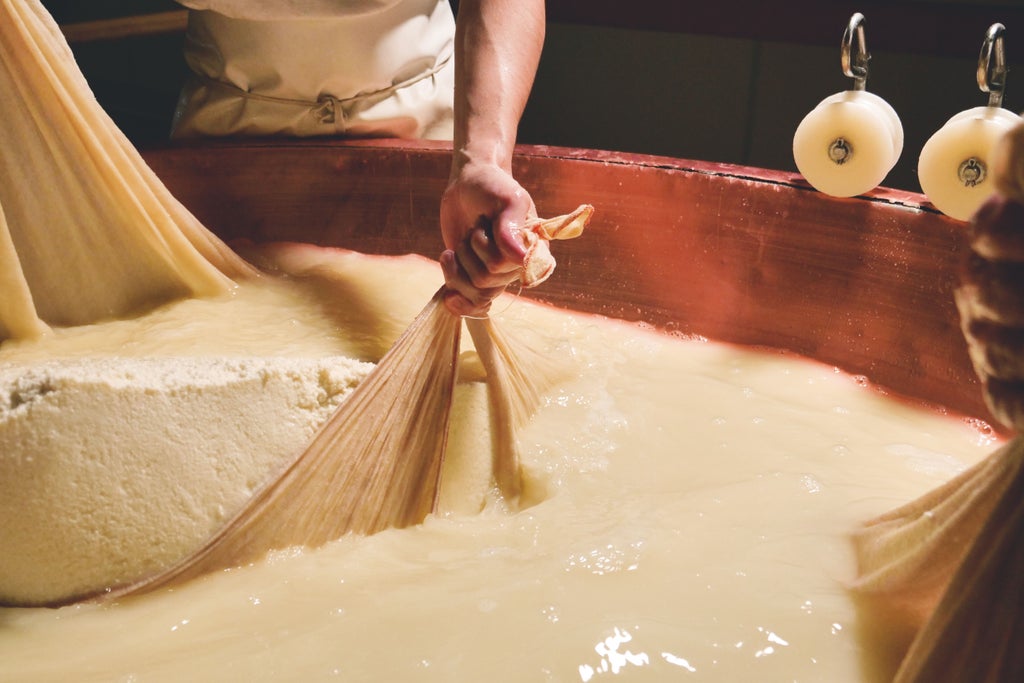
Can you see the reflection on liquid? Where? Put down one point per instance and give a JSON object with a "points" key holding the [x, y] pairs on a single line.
{"points": [[606, 560], [773, 640], [678, 661], [613, 661]]}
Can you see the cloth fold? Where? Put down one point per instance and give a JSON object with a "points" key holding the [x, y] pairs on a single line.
{"points": [[382, 73]]}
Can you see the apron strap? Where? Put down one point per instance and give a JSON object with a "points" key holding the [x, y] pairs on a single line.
{"points": [[327, 108]]}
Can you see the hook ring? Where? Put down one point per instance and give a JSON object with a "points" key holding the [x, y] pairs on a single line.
{"points": [[992, 65], [855, 62]]}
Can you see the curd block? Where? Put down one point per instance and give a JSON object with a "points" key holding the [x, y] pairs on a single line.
{"points": [[112, 468]]}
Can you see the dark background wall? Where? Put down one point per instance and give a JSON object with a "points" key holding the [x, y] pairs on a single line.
{"points": [[725, 80]]}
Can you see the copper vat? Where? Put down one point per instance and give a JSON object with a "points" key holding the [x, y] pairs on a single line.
{"points": [[735, 254]]}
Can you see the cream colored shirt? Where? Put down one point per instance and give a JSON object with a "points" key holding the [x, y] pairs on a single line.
{"points": [[378, 68], [289, 9]]}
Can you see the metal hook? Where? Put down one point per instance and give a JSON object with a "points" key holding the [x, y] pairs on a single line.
{"points": [[855, 64], [992, 65]]}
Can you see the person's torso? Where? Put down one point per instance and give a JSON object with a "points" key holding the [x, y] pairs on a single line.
{"points": [[305, 54]]}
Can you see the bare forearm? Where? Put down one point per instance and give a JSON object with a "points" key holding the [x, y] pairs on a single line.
{"points": [[498, 45], [497, 48]]}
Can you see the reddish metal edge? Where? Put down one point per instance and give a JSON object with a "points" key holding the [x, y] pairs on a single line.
{"points": [[732, 253]]}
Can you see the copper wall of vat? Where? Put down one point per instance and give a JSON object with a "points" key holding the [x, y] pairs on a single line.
{"points": [[732, 253]]}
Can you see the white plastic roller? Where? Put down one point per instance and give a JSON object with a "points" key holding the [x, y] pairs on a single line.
{"points": [[848, 144], [954, 168]]}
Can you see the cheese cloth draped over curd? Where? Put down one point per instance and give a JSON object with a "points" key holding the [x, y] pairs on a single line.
{"points": [[380, 68]]}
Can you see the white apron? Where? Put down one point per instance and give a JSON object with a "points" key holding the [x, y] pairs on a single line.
{"points": [[380, 68]]}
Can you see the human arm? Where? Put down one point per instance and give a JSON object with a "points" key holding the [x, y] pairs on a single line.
{"points": [[497, 48]]}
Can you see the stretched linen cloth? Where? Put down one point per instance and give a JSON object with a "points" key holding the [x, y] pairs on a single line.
{"points": [[953, 560], [87, 230], [975, 632], [376, 462]]}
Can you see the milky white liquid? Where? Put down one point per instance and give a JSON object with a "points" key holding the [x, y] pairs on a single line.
{"points": [[694, 506]]}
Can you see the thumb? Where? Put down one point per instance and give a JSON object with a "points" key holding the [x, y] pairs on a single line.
{"points": [[507, 230]]}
